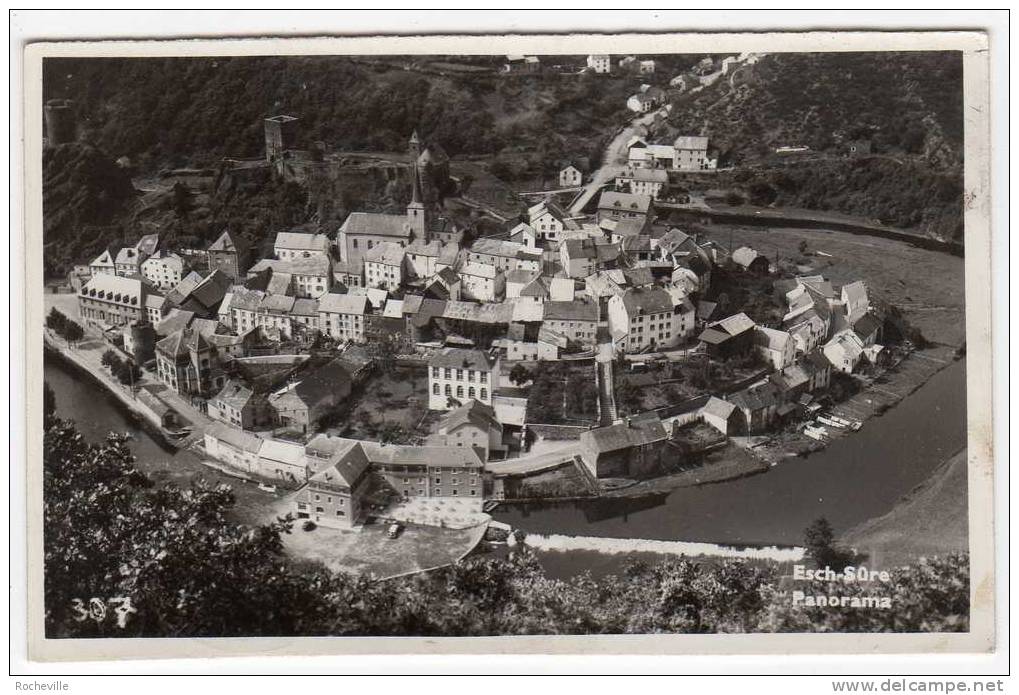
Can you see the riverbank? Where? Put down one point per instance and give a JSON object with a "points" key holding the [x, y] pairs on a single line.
{"points": [[141, 414], [932, 519]]}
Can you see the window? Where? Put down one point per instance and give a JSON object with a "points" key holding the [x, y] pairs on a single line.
{"points": [[470, 392], [459, 375], [340, 512], [435, 389], [470, 375], [319, 510], [438, 481], [484, 394], [459, 391], [435, 372], [449, 390], [484, 379], [449, 373]]}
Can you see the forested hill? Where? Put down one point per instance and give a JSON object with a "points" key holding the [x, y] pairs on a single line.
{"points": [[906, 107], [183, 111], [902, 103]]}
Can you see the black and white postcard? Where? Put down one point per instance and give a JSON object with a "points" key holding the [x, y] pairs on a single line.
{"points": [[590, 344]]}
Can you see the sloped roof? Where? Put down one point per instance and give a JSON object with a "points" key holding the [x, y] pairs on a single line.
{"points": [[235, 437], [473, 412], [315, 387], [378, 224], [245, 299], [866, 326], [648, 300], [718, 408], [228, 242], [346, 464], [301, 241], [577, 310], [535, 288], [305, 307], [386, 253], [461, 358], [343, 304], [771, 338], [613, 200], [631, 433], [690, 142], [734, 325], [744, 256], [176, 320], [235, 394]]}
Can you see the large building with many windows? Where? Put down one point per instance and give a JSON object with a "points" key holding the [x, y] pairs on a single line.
{"points": [[455, 375], [111, 300]]}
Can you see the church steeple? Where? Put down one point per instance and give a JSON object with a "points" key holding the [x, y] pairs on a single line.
{"points": [[415, 147], [417, 217]]}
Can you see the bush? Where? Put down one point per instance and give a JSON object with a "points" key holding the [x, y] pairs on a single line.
{"points": [[308, 525]]}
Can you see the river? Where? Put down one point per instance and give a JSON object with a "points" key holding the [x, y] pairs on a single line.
{"points": [[96, 412], [854, 479]]}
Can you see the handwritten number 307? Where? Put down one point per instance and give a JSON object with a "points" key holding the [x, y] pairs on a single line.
{"points": [[97, 609]]}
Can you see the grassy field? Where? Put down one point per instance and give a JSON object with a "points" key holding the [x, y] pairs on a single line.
{"points": [[928, 286], [930, 520], [393, 403]]}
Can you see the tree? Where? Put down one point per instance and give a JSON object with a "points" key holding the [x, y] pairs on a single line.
{"points": [[803, 248], [519, 375], [110, 360], [56, 321], [819, 541], [73, 332], [127, 372]]}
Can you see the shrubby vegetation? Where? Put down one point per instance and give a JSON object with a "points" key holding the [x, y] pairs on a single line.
{"points": [[69, 330], [189, 571]]}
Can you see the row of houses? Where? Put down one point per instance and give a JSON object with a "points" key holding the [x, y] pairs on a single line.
{"points": [[333, 475]]}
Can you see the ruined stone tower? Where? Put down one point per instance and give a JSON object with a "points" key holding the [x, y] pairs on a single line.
{"points": [[280, 135], [61, 121]]}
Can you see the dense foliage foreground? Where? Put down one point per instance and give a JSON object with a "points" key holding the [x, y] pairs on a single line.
{"points": [[124, 558]]}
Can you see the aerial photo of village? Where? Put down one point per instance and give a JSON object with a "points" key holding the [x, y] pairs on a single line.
{"points": [[487, 345]]}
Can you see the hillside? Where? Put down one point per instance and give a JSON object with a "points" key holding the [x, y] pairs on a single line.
{"points": [[85, 196], [907, 107], [192, 112]]}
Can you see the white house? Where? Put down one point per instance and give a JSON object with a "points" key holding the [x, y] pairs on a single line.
{"points": [[457, 374], [547, 219], [570, 176], [481, 282], [164, 270], [778, 348], [579, 257], [129, 261], [650, 318], [103, 264], [292, 245], [383, 266], [642, 181], [342, 316], [601, 64], [691, 153], [525, 235], [422, 258], [844, 351]]}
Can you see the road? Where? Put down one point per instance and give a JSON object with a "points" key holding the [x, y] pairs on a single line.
{"points": [[88, 355], [613, 160]]}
